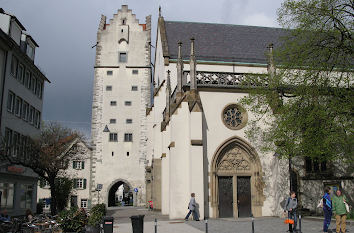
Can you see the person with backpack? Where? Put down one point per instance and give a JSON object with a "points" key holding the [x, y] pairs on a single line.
{"points": [[290, 207], [327, 209], [339, 210]]}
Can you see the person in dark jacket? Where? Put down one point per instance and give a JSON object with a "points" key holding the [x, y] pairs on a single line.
{"points": [[327, 209], [290, 206]]}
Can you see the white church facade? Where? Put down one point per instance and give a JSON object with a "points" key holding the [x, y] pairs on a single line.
{"points": [[196, 128], [120, 97], [198, 124]]}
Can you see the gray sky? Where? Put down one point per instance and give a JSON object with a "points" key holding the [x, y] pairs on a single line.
{"points": [[66, 29]]}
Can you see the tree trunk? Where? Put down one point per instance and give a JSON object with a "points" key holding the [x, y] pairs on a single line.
{"points": [[53, 193]]}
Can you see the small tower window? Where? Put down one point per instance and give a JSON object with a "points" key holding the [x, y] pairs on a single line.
{"points": [[128, 153], [123, 57], [124, 21], [108, 88], [135, 71], [109, 72], [127, 103]]}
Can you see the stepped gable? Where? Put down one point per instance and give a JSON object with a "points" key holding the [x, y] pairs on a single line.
{"points": [[222, 42]]}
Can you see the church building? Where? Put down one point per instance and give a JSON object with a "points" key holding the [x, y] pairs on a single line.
{"points": [[196, 126]]}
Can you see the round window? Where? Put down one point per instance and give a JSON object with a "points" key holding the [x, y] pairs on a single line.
{"points": [[234, 116]]}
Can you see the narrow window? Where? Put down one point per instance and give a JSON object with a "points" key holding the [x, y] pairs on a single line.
{"points": [[127, 103], [14, 64], [113, 137], [129, 121], [128, 153], [135, 71], [18, 106], [128, 137], [134, 88], [113, 103], [123, 57], [109, 72], [20, 73], [28, 79], [10, 101], [112, 121], [31, 115], [124, 21], [108, 88], [33, 84], [112, 153], [25, 111]]}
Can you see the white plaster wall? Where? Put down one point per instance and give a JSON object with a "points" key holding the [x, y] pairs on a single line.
{"points": [[179, 163], [217, 133], [109, 169]]}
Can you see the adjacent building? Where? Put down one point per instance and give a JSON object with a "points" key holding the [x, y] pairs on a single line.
{"points": [[79, 171], [121, 94], [196, 127], [21, 92]]}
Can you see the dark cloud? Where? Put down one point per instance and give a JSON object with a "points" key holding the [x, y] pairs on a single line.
{"points": [[66, 30]]}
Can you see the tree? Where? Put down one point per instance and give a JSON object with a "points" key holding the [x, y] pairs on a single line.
{"points": [[48, 155], [310, 95]]}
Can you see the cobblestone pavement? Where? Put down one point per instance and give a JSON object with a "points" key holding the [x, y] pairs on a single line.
{"points": [[122, 223], [262, 225]]}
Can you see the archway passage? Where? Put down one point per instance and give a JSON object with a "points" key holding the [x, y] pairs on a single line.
{"points": [[122, 197], [236, 182]]}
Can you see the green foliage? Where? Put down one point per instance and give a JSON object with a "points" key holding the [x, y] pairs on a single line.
{"points": [[96, 214], [72, 220], [64, 186], [309, 100]]}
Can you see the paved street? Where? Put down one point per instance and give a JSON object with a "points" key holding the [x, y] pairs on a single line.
{"points": [[122, 223]]}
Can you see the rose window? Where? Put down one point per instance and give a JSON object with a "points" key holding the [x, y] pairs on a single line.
{"points": [[234, 116]]}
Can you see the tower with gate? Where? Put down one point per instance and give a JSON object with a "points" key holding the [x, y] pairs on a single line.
{"points": [[121, 94]]}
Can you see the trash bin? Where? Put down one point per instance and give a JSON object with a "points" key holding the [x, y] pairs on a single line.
{"points": [[138, 223], [108, 224]]}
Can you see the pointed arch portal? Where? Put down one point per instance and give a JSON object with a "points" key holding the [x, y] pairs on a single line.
{"points": [[236, 180]]}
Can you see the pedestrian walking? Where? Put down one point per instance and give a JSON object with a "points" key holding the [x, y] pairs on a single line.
{"points": [[340, 211], [192, 208], [290, 207], [327, 209]]}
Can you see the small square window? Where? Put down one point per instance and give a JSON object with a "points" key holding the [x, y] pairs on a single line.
{"points": [[108, 88], [129, 121], [128, 137], [84, 203], [123, 57], [109, 72], [135, 71], [113, 137], [127, 103], [134, 88], [113, 103], [112, 121]]}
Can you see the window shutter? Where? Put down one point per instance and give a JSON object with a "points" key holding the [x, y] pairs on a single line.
{"points": [[84, 183], [74, 164], [83, 165], [75, 183]]}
